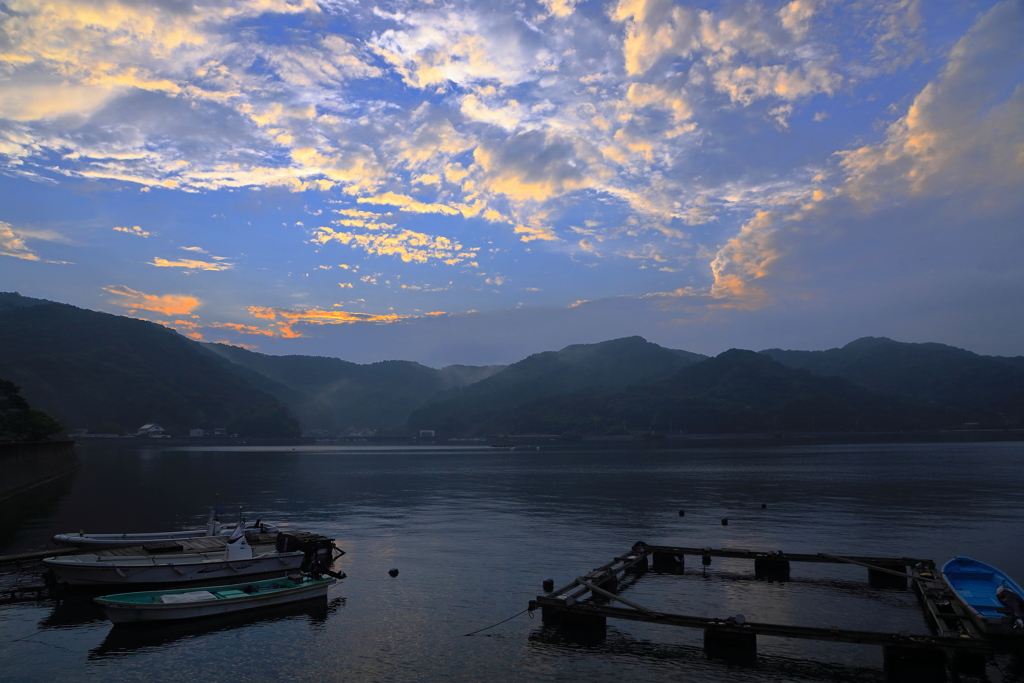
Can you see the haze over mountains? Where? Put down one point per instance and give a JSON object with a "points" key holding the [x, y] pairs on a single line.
{"points": [[100, 371]]}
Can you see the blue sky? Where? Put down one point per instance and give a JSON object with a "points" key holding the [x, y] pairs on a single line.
{"points": [[473, 182]]}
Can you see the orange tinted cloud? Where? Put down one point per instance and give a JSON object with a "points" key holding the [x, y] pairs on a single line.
{"points": [[408, 245], [315, 316], [168, 304], [191, 264], [244, 329]]}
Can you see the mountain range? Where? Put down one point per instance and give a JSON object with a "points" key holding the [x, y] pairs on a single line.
{"points": [[102, 372]]}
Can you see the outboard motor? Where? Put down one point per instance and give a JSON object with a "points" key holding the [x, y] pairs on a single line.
{"points": [[1013, 602], [287, 543]]}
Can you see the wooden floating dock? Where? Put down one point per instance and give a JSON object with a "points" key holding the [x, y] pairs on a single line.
{"points": [[956, 640]]}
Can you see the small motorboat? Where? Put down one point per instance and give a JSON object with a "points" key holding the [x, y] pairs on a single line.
{"points": [[190, 603], [213, 528], [994, 601], [236, 562]]}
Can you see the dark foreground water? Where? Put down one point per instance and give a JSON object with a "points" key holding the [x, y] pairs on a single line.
{"points": [[474, 533]]}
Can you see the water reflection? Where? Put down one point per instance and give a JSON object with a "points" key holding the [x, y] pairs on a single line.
{"points": [[127, 639], [19, 511], [74, 610], [676, 661], [475, 533]]}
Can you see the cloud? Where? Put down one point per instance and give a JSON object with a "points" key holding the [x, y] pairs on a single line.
{"points": [[796, 16], [410, 246], [744, 259], [291, 317], [244, 329], [13, 244], [191, 264], [534, 167], [407, 203], [133, 230], [168, 304], [654, 29], [964, 129], [745, 84], [435, 48], [559, 8]]}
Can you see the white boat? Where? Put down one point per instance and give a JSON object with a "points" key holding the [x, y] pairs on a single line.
{"points": [[168, 605], [236, 562], [213, 528]]}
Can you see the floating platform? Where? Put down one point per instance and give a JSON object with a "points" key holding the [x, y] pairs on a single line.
{"points": [[585, 604]]}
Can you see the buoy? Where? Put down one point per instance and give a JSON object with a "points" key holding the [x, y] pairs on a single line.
{"points": [[682, 513], [725, 521], [549, 585], [764, 505], [393, 572]]}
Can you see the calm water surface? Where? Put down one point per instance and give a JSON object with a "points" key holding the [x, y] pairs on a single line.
{"points": [[474, 534]]}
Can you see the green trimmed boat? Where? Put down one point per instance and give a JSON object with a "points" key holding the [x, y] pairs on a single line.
{"points": [[190, 603]]}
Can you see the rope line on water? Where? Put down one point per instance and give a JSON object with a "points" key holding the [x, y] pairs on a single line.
{"points": [[499, 623]]}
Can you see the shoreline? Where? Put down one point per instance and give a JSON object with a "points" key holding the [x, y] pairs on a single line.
{"points": [[656, 441]]}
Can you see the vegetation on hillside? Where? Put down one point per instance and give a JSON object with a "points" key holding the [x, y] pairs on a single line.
{"points": [[485, 406], [330, 393], [21, 422], [983, 388], [89, 368]]}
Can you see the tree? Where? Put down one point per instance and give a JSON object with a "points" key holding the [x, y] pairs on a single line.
{"points": [[21, 422], [266, 421]]}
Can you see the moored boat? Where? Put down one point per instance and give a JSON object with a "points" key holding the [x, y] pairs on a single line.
{"points": [[994, 602], [236, 562], [213, 528], [190, 603]]}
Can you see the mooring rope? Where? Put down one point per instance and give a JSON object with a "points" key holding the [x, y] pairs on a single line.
{"points": [[500, 622]]}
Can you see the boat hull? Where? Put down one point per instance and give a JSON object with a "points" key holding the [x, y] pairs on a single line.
{"points": [[86, 570], [101, 541], [974, 583], [124, 611]]}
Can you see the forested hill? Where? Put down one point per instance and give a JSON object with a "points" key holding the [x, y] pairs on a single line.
{"points": [[106, 372], [935, 373], [735, 392], [483, 407], [92, 369], [331, 393]]}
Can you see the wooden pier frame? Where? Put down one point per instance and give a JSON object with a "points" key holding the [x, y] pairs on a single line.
{"points": [[955, 640]]}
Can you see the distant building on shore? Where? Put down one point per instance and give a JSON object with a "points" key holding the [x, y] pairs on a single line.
{"points": [[152, 430]]}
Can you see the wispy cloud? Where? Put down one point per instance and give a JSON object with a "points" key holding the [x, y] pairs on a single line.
{"points": [[133, 230], [13, 244], [168, 304], [191, 264]]}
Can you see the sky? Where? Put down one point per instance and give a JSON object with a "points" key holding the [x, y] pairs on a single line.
{"points": [[473, 182]]}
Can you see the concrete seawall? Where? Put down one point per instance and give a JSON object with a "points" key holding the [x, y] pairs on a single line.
{"points": [[27, 464]]}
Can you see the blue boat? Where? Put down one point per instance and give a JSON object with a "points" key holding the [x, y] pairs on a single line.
{"points": [[994, 601]]}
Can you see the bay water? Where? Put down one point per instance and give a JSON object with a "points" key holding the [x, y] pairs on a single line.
{"points": [[474, 533]]}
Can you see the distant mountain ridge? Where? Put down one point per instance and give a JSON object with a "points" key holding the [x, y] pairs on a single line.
{"points": [[930, 372], [91, 368], [479, 408], [737, 391], [88, 368], [330, 393]]}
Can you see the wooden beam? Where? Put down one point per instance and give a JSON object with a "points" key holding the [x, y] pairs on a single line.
{"points": [[883, 570], [767, 629], [613, 596]]}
